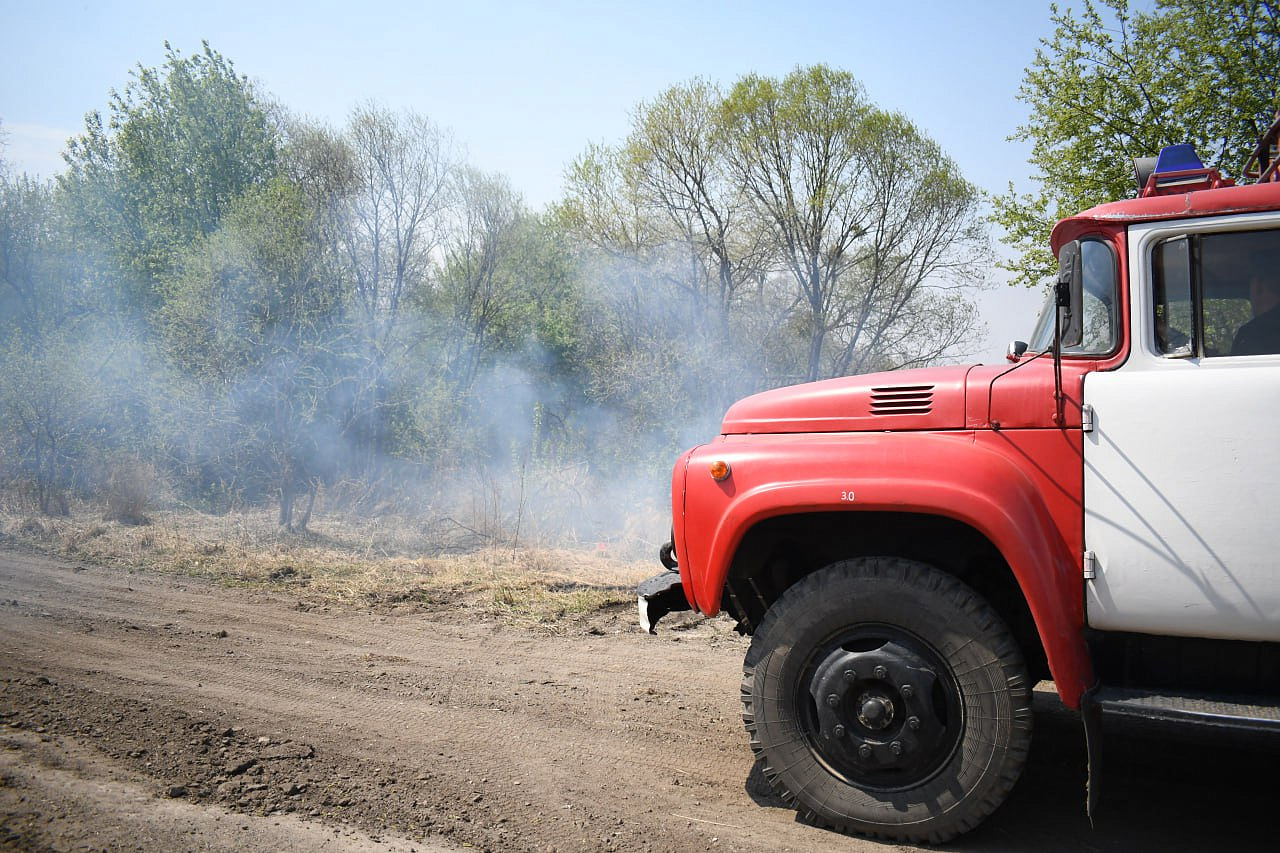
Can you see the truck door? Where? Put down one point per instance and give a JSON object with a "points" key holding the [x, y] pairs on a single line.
{"points": [[1182, 466]]}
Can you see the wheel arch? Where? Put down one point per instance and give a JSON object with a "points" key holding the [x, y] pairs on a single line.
{"points": [[778, 552], [909, 503]]}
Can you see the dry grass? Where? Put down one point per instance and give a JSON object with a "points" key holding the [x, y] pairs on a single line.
{"points": [[372, 564]]}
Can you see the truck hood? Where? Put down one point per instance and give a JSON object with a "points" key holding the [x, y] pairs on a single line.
{"points": [[929, 398]]}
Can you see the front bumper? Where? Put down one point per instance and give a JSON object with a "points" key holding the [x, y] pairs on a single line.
{"points": [[659, 596]]}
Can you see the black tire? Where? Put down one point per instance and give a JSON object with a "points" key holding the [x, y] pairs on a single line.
{"points": [[887, 698]]}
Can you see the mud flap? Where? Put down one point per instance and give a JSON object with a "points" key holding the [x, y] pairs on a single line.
{"points": [[659, 596], [1091, 713]]}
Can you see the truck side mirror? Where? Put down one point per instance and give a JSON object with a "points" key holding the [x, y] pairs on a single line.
{"points": [[1069, 296]]}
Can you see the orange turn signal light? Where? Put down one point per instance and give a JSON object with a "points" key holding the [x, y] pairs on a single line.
{"points": [[720, 470]]}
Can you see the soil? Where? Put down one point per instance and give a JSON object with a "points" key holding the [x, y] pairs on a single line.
{"points": [[152, 712]]}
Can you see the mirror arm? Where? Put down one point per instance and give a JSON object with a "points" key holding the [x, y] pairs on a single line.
{"points": [[1062, 298]]}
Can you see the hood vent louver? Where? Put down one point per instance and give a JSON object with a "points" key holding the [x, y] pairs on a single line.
{"points": [[902, 400]]}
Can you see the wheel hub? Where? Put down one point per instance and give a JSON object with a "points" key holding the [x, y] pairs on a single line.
{"points": [[882, 716], [875, 712]]}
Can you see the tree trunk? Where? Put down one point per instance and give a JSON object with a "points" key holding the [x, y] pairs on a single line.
{"points": [[287, 494], [313, 487]]}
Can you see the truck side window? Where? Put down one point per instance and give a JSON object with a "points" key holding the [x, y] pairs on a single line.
{"points": [[1171, 280], [1099, 270], [1217, 294], [1100, 321]]}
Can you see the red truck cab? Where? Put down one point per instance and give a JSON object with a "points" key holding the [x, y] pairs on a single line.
{"points": [[912, 551]]}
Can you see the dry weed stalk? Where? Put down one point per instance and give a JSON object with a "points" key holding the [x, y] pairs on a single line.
{"points": [[375, 563]]}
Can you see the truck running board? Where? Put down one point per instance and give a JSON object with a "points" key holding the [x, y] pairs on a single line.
{"points": [[1242, 713]]}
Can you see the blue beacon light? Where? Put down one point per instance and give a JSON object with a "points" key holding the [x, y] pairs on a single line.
{"points": [[1178, 158]]}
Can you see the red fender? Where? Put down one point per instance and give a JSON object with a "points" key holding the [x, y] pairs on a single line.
{"points": [[983, 484]]}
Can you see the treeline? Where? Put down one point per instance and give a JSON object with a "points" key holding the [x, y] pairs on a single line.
{"points": [[234, 306]]}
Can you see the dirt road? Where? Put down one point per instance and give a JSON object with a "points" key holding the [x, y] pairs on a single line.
{"points": [[152, 712]]}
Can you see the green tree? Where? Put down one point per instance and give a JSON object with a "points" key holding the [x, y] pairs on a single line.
{"points": [[37, 290], [1112, 84], [787, 208], [686, 210], [869, 218], [504, 309], [180, 145], [685, 261], [481, 295], [903, 300], [796, 150], [387, 230], [74, 390], [39, 398], [254, 318]]}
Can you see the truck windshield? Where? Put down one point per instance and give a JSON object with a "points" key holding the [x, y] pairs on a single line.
{"points": [[1098, 266]]}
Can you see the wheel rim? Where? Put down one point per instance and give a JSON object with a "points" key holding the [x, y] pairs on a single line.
{"points": [[881, 708]]}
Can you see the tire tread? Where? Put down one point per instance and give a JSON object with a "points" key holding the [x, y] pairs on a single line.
{"points": [[919, 577]]}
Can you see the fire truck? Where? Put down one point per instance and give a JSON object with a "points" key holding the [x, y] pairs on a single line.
{"points": [[911, 552]]}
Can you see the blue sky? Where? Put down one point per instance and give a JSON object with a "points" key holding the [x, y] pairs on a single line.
{"points": [[524, 87]]}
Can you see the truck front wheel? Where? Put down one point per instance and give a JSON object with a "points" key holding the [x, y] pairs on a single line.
{"points": [[887, 698]]}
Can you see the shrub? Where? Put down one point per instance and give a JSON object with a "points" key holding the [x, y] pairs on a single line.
{"points": [[129, 488]]}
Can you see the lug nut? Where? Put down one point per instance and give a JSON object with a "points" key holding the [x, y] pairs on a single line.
{"points": [[881, 673], [850, 676], [908, 691], [913, 723], [833, 700], [896, 748], [839, 731], [864, 751]]}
